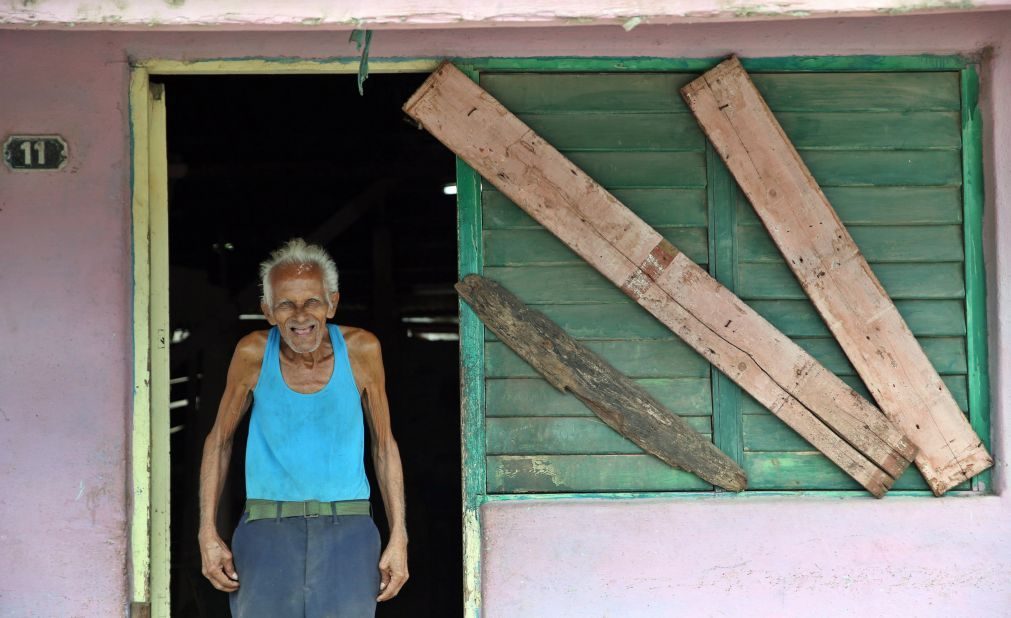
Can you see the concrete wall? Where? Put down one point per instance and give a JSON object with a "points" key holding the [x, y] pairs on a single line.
{"points": [[65, 384]]}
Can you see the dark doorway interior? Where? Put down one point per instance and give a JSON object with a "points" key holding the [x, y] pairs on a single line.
{"points": [[254, 161]]}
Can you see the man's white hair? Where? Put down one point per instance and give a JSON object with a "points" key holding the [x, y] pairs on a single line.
{"points": [[296, 251]]}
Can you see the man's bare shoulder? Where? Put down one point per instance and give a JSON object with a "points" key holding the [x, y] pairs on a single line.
{"points": [[250, 348], [360, 342]]}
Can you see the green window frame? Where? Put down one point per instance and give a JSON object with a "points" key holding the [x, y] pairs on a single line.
{"points": [[727, 225]]}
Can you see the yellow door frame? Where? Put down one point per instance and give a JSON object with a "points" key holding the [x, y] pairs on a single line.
{"points": [[150, 465]]}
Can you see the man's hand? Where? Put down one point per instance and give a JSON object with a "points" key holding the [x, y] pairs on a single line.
{"points": [[217, 564], [392, 569]]}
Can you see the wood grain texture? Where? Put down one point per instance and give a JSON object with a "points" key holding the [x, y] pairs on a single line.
{"points": [[634, 256], [618, 401], [833, 272]]}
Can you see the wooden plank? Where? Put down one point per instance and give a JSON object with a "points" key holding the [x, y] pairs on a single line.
{"points": [[659, 207], [803, 470], [657, 92], [567, 436], [577, 473], [764, 432], [930, 243], [723, 192], [625, 322], [872, 130], [636, 359], [863, 92], [573, 283], [663, 280], [835, 275], [798, 318], [560, 92], [534, 397], [854, 168], [883, 206], [931, 280], [618, 401], [624, 132], [518, 247], [957, 384], [651, 169], [946, 354]]}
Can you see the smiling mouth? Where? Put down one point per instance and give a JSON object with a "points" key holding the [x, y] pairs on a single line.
{"points": [[303, 331]]}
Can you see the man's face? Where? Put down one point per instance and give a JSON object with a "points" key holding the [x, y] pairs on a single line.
{"points": [[299, 306]]}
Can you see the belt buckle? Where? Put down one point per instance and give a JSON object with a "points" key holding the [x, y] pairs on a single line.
{"points": [[305, 508]]}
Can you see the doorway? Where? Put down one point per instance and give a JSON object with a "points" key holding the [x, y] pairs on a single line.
{"points": [[252, 162]]}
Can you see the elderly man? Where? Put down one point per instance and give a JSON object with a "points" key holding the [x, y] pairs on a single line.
{"points": [[306, 544]]}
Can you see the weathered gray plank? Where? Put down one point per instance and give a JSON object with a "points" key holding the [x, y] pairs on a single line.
{"points": [[618, 401]]}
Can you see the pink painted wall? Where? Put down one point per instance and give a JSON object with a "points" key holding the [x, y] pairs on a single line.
{"points": [[313, 14], [65, 276]]}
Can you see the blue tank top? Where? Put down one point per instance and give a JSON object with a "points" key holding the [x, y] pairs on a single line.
{"points": [[306, 446]]}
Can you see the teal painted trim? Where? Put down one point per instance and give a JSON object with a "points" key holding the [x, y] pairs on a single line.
{"points": [[472, 422], [921, 62], [721, 195], [724, 495], [468, 198], [786, 63], [975, 276]]}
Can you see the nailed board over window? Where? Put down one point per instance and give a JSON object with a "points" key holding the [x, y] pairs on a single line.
{"points": [[886, 149]]}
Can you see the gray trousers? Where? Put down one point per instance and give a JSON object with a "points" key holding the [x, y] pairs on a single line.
{"points": [[312, 567]]}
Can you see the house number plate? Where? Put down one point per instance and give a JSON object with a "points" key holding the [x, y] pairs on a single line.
{"points": [[35, 152]]}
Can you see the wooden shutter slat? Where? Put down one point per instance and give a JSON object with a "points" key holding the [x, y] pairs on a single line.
{"points": [[632, 255], [837, 277]]}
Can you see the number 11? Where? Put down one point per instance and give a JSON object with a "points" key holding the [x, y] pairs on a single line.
{"points": [[40, 148]]}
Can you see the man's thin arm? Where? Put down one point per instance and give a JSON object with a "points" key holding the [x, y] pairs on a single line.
{"points": [[216, 457], [386, 458], [242, 374], [389, 470]]}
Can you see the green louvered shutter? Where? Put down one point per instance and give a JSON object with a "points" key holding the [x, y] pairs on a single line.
{"points": [[886, 148]]}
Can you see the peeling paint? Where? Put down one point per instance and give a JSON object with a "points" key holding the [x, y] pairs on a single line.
{"points": [[632, 23], [544, 468], [472, 597], [928, 5]]}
